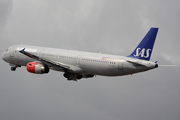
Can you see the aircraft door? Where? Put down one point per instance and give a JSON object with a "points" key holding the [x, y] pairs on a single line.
{"points": [[121, 65], [12, 50], [78, 60], [41, 53]]}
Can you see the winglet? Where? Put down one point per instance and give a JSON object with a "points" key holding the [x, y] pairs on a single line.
{"points": [[22, 51]]}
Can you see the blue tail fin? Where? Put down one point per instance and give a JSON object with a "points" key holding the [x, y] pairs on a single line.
{"points": [[144, 49]]}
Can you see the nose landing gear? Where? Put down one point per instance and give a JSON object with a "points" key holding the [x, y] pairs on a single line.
{"points": [[14, 67]]}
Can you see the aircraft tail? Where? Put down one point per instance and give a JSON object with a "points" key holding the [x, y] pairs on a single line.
{"points": [[144, 49]]}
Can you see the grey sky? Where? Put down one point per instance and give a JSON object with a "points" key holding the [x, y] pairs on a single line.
{"points": [[113, 27]]}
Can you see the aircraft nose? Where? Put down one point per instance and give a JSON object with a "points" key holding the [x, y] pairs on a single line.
{"points": [[3, 56]]}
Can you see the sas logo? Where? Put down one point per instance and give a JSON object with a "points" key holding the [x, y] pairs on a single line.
{"points": [[140, 52]]}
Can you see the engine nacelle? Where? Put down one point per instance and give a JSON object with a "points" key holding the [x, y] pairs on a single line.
{"points": [[37, 68]]}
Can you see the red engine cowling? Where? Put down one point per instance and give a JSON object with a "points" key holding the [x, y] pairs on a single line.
{"points": [[37, 68]]}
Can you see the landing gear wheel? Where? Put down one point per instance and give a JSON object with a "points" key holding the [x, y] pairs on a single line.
{"points": [[13, 68]]}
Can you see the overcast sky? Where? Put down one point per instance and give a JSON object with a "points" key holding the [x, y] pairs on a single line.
{"points": [[110, 26]]}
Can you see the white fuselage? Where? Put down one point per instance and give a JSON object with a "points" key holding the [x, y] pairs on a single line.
{"points": [[90, 63]]}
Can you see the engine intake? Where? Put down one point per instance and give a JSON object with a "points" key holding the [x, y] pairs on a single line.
{"points": [[37, 68]]}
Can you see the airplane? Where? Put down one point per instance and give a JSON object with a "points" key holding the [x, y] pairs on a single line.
{"points": [[78, 64]]}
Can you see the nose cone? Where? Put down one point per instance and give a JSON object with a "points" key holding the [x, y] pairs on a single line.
{"points": [[3, 57]]}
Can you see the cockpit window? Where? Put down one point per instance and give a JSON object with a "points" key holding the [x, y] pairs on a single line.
{"points": [[7, 50]]}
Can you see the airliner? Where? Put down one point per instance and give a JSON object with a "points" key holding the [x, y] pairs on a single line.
{"points": [[77, 64]]}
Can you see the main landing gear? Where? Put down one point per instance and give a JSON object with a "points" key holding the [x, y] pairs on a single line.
{"points": [[72, 76]]}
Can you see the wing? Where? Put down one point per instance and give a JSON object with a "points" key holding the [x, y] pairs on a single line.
{"points": [[51, 63]]}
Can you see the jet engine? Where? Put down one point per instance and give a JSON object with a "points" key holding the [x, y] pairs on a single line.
{"points": [[37, 68]]}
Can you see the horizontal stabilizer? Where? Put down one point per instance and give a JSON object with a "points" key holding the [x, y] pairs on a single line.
{"points": [[136, 63]]}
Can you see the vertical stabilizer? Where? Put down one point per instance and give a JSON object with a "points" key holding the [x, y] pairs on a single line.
{"points": [[144, 49]]}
